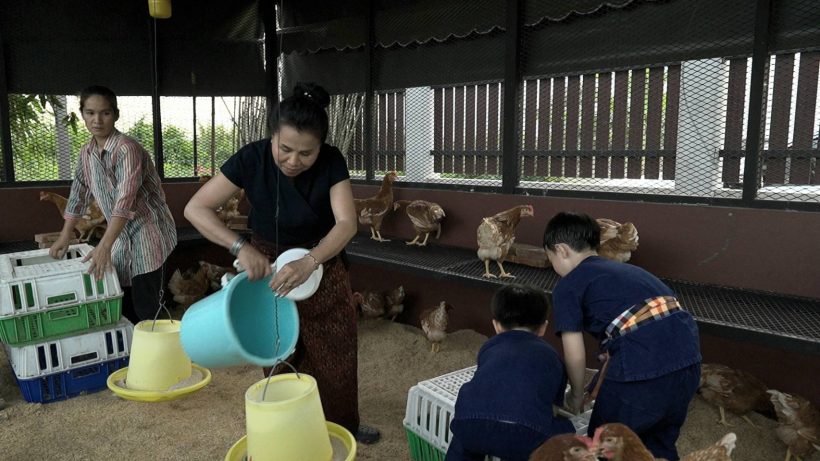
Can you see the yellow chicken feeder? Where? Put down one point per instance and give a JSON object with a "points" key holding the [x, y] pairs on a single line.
{"points": [[158, 367], [285, 420]]}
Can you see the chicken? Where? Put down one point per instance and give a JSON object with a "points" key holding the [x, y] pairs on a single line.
{"points": [[229, 209], [618, 241], [371, 211], [617, 442], [496, 235], [214, 274], [371, 303], [92, 220], [799, 425], [434, 324], [734, 390], [425, 216], [721, 451], [188, 287], [565, 447], [394, 302]]}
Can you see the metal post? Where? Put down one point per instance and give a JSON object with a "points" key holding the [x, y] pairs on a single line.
{"points": [[271, 55], [157, 119], [509, 152], [757, 101], [368, 96], [5, 121]]}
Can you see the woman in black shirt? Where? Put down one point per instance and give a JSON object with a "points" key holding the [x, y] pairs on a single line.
{"points": [[300, 195]]}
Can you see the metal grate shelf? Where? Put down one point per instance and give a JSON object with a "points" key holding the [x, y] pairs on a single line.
{"points": [[771, 315]]}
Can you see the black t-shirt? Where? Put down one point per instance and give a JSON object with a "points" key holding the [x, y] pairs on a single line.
{"points": [[305, 214]]}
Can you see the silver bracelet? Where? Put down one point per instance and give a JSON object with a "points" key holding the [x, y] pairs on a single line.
{"points": [[316, 263], [237, 245]]}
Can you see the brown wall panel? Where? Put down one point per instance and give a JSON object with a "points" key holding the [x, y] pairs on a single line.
{"points": [[769, 250]]}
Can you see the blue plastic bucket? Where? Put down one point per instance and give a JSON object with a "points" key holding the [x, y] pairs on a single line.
{"points": [[237, 325]]}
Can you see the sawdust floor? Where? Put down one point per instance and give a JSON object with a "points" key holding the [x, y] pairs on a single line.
{"points": [[202, 426]]}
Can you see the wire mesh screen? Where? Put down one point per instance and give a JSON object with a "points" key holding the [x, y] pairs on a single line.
{"points": [[47, 132], [646, 97], [199, 134]]}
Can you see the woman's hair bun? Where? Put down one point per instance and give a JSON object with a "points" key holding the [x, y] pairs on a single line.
{"points": [[312, 92]]}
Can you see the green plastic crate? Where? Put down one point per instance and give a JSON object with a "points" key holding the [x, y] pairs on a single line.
{"points": [[52, 323], [422, 450]]}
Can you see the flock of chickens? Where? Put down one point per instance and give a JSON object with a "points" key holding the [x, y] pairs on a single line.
{"points": [[734, 390], [730, 389]]}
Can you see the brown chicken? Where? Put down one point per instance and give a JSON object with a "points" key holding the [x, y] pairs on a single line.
{"points": [[618, 241], [214, 274], [229, 209], [565, 447], [496, 235], [91, 221], [799, 425], [370, 302], [425, 216], [734, 390], [434, 324], [188, 287], [371, 211], [394, 302], [721, 451], [617, 442]]}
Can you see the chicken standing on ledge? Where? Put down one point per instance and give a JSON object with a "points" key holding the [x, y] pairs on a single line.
{"points": [[618, 241], [92, 220], [229, 209], [496, 235], [371, 211], [721, 451], [188, 287], [565, 447], [799, 425], [734, 390], [394, 302], [434, 324], [425, 216]]}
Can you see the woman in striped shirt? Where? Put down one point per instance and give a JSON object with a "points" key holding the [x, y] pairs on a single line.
{"points": [[120, 175]]}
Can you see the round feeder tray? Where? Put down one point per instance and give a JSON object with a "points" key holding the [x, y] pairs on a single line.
{"points": [[341, 440], [116, 378]]}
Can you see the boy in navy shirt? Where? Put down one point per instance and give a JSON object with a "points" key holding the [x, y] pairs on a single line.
{"points": [[507, 409], [649, 344]]}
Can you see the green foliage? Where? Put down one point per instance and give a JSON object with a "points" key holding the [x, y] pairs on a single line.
{"points": [[143, 133]]}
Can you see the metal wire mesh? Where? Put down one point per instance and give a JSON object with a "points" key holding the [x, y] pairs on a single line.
{"points": [[641, 97], [200, 133]]}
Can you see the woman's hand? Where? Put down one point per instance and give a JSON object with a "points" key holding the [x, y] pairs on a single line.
{"points": [[100, 258], [58, 248], [254, 262], [292, 275]]}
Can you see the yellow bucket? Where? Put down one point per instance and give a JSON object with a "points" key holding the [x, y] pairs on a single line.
{"points": [[157, 359], [289, 423]]}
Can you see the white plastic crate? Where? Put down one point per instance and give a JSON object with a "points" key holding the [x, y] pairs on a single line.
{"points": [[64, 354], [32, 281], [431, 404]]}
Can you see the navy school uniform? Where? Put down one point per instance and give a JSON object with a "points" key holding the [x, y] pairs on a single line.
{"points": [[654, 371], [506, 409]]}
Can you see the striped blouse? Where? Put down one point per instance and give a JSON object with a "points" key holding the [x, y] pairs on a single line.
{"points": [[123, 180]]}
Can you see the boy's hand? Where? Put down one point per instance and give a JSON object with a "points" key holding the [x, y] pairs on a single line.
{"points": [[574, 401]]}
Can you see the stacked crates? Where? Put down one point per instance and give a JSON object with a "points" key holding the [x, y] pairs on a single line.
{"points": [[61, 327], [431, 407]]}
